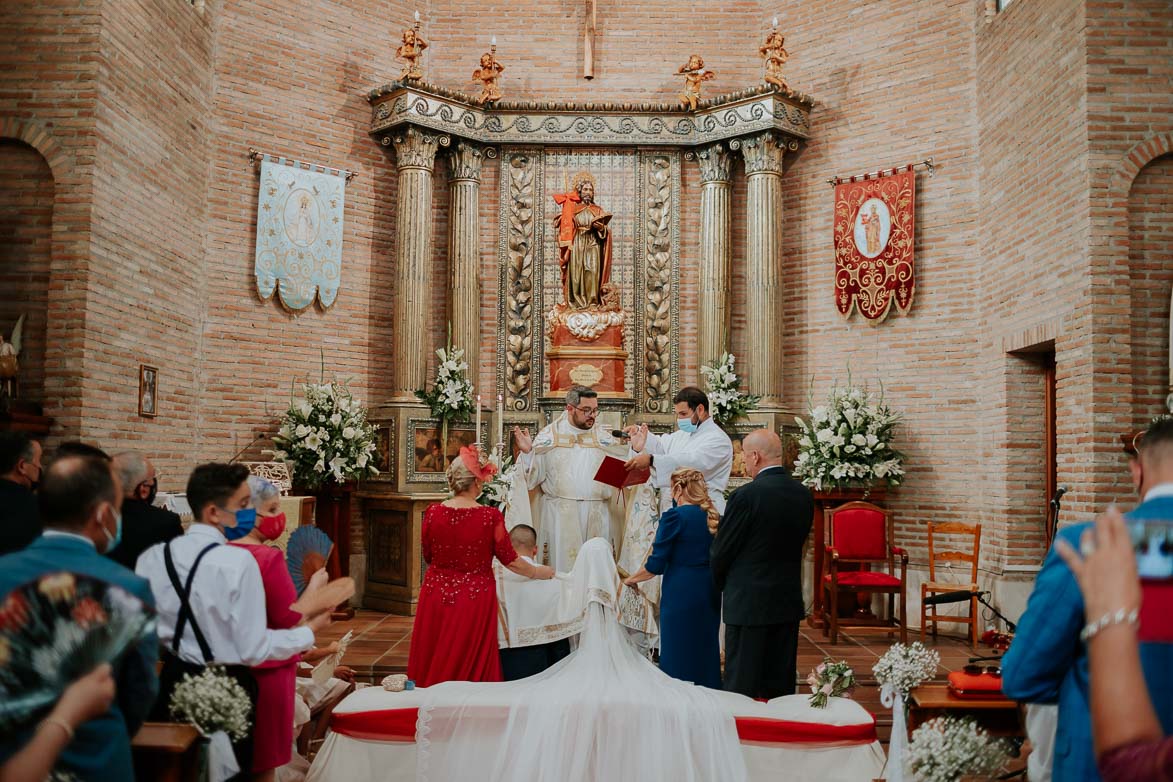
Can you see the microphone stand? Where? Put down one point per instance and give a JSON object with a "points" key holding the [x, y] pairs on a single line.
{"points": [[981, 598], [1053, 519]]}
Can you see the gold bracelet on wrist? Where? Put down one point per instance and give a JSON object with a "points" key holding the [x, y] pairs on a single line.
{"points": [[1118, 617], [65, 726]]}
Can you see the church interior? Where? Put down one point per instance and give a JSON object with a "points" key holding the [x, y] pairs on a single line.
{"points": [[205, 204]]}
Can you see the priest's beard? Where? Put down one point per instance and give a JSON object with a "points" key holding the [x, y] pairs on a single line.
{"points": [[580, 421]]}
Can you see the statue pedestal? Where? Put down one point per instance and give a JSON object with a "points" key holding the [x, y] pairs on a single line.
{"points": [[598, 363]]}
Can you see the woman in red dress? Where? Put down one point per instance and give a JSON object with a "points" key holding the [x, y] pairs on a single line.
{"points": [[455, 632], [273, 731]]}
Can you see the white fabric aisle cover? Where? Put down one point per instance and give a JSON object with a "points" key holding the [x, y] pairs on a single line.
{"points": [[604, 713]]}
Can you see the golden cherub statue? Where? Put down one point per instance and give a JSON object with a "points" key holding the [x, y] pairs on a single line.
{"points": [[411, 51], [694, 73], [9, 359], [488, 75], [776, 55]]}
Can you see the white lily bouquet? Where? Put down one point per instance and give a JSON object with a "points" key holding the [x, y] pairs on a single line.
{"points": [[830, 679], [900, 670], [497, 490], [945, 749], [212, 702], [450, 397], [325, 436], [726, 401], [848, 442]]}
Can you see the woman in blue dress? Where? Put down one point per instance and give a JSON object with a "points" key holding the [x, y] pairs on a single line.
{"points": [[690, 614]]}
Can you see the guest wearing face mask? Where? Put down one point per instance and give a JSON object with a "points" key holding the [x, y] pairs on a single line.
{"points": [[210, 596], [276, 679], [20, 470], [143, 525], [79, 500]]}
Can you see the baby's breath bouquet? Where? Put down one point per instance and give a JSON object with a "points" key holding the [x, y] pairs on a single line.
{"points": [[727, 403], [946, 749], [848, 442], [325, 436], [830, 680], [212, 702], [898, 671]]}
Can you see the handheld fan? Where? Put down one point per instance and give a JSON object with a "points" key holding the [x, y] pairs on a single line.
{"points": [[55, 630], [306, 553]]}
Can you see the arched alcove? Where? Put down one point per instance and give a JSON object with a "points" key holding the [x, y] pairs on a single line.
{"points": [[1150, 269], [26, 227]]}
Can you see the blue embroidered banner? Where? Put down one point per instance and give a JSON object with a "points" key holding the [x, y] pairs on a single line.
{"points": [[299, 232]]}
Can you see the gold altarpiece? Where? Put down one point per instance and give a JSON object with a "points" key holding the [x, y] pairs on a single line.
{"points": [[635, 154]]}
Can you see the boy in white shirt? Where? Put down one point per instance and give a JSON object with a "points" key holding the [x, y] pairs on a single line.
{"points": [[525, 661]]}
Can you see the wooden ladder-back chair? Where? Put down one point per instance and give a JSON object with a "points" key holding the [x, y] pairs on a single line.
{"points": [[961, 543], [860, 534]]}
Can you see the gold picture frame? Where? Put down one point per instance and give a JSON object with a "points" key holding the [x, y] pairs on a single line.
{"points": [[148, 391]]}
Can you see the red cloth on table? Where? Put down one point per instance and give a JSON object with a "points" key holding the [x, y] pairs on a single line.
{"points": [[454, 637], [276, 679]]}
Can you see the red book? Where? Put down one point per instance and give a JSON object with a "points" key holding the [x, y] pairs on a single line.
{"points": [[612, 473]]}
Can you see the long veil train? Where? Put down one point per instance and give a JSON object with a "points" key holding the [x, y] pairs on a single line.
{"points": [[603, 713]]}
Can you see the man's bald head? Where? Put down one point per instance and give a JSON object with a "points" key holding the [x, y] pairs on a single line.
{"points": [[762, 448]]}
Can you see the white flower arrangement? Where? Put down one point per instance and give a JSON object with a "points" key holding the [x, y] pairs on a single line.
{"points": [[902, 668], [848, 442], [727, 403], [450, 398], [496, 490], [945, 749], [830, 680], [325, 436], [212, 701]]}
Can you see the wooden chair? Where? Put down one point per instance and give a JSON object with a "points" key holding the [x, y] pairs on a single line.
{"points": [[314, 732], [962, 544], [861, 534]]}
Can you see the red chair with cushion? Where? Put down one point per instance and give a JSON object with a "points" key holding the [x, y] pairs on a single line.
{"points": [[860, 534]]}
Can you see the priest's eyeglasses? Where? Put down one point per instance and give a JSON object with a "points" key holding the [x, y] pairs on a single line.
{"points": [[589, 412]]}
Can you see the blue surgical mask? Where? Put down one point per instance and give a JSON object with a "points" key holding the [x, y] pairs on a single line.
{"points": [[112, 541], [246, 519], [686, 424]]}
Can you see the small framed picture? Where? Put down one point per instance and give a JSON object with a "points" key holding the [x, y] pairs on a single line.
{"points": [[148, 391]]}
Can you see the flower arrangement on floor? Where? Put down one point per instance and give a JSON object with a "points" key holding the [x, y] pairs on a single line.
{"points": [[450, 397], [325, 436], [212, 702], [830, 679], [848, 442], [898, 671], [727, 403], [946, 749]]}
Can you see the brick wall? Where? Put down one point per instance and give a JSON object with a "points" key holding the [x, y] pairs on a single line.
{"points": [[26, 226], [1150, 247]]}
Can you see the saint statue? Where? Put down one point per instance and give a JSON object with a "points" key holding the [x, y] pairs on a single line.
{"points": [[584, 244]]}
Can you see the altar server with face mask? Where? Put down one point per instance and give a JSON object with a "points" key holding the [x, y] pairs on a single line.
{"points": [[697, 443]]}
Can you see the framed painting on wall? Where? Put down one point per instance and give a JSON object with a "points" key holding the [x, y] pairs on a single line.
{"points": [[148, 391]]}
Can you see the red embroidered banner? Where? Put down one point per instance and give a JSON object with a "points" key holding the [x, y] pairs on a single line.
{"points": [[873, 245]]}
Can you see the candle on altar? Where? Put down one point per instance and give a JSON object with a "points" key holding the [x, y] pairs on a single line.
{"points": [[478, 419], [500, 419]]}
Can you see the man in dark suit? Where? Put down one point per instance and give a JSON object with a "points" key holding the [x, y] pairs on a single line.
{"points": [[143, 525], [1048, 662], [20, 470], [79, 501], [756, 559]]}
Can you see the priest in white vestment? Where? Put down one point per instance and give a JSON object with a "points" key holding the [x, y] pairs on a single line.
{"points": [[562, 461], [697, 443]]}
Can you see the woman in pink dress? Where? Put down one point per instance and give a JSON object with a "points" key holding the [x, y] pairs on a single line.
{"points": [[273, 731], [455, 633]]}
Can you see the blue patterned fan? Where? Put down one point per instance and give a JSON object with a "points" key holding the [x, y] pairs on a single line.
{"points": [[306, 553], [55, 630]]}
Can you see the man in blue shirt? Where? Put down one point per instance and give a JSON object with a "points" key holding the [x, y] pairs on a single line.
{"points": [[80, 502], [1047, 662]]}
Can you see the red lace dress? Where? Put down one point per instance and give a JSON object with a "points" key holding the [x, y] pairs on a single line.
{"points": [[455, 632]]}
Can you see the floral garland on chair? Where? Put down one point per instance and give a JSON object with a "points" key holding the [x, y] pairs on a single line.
{"points": [[830, 680], [727, 403], [848, 442], [325, 436], [898, 672]]}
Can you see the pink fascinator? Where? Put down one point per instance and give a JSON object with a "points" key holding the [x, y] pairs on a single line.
{"points": [[471, 457]]}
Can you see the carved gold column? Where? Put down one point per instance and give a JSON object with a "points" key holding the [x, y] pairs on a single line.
{"points": [[763, 155], [716, 252], [464, 287], [415, 154]]}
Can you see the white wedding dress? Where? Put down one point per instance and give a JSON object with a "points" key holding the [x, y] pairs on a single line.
{"points": [[603, 713]]}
